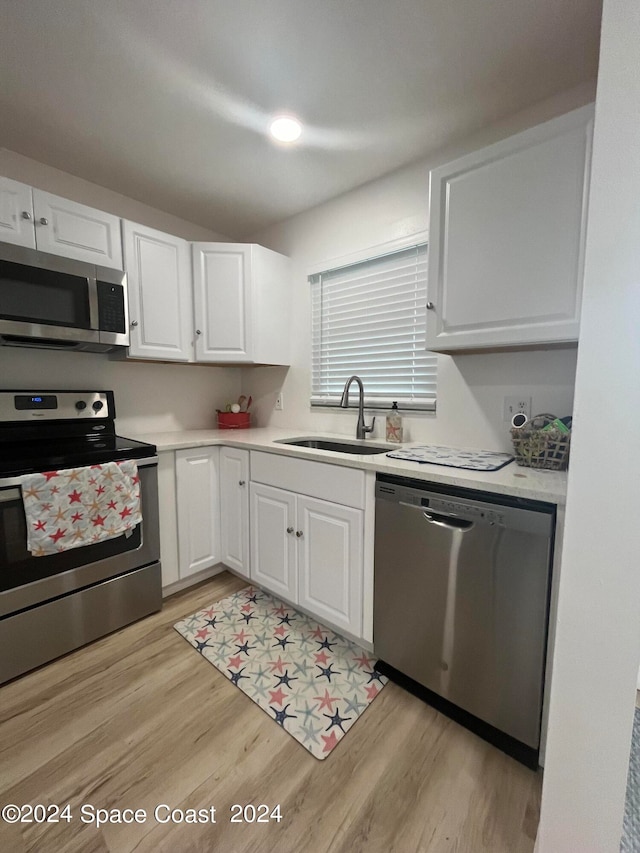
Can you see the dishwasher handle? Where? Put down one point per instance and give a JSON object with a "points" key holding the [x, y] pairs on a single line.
{"points": [[448, 521], [451, 522]]}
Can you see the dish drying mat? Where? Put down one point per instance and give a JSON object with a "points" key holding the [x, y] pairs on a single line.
{"points": [[474, 460]]}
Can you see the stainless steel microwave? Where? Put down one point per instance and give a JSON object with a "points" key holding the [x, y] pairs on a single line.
{"points": [[57, 303]]}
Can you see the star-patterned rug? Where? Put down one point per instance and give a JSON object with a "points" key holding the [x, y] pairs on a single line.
{"points": [[310, 680]]}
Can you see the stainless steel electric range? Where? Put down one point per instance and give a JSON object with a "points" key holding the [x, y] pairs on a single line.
{"points": [[50, 605]]}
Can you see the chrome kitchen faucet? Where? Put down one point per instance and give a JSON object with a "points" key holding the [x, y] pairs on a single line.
{"points": [[361, 428]]}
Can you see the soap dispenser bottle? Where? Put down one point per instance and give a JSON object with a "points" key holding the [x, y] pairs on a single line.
{"points": [[394, 425]]}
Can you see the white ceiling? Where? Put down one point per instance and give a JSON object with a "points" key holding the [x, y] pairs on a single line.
{"points": [[166, 101]]}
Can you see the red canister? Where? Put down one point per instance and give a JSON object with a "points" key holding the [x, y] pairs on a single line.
{"points": [[234, 420]]}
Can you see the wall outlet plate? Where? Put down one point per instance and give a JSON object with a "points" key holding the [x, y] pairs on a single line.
{"points": [[279, 402], [513, 405]]}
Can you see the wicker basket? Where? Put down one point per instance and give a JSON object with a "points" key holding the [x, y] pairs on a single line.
{"points": [[535, 447]]}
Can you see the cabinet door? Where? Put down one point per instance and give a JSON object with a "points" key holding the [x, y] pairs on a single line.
{"points": [[273, 542], [198, 509], [160, 304], [73, 230], [330, 562], [222, 302], [271, 297], [506, 231], [234, 509], [16, 214], [168, 513]]}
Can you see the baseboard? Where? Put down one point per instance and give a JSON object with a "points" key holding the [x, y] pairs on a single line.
{"points": [[192, 580]]}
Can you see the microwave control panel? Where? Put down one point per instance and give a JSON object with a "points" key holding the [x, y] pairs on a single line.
{"points": [[111, 315]]}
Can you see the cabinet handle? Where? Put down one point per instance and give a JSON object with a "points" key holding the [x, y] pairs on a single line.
{"points": [[430, 306], [289, 529], [298, 533], [241, 482], [134, 323], [26, 214], [198, 332], [43, 220]]}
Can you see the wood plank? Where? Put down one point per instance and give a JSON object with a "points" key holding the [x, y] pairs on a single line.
{"points": [[138, 719]]}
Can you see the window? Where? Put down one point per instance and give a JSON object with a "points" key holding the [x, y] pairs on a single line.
{"points": [[369, 318]]}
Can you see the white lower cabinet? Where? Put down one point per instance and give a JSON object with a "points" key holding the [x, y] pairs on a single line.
{"points": [[283, 529], [330, 561], [168, 513], [307, 549], [197, 492], [189, 505], [234, 509], [273, 544]]}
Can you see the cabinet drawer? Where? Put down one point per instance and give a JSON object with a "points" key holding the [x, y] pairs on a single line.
{"points": [[316, 479]]}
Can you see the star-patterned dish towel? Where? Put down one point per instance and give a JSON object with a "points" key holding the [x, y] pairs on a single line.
{"points": [[310, 680], [80, 506]]}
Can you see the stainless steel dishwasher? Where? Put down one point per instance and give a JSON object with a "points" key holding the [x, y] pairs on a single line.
{"points": [[461, 603]]}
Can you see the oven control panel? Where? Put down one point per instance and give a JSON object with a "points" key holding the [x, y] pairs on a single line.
{"points": [[55, 405]]}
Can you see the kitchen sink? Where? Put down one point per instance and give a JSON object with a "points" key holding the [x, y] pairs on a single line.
{"points": [[360, 447]]}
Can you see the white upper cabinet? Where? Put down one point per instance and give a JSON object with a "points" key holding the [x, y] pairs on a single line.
{"points": [[242, 298], [158, 269], [40, 220], [73, 230], [16, 214], [506, 239], [222, 301], [234, 309]]}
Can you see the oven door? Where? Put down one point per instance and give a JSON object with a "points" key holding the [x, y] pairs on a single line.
{"points": [[26, 581]]}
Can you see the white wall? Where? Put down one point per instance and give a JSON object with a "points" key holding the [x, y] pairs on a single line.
{"points": [[471, 387], [598, 630], [20, 168], [148, 396]]}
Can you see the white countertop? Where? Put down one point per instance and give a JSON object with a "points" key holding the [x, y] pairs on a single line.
{"points": [[532, 483]]}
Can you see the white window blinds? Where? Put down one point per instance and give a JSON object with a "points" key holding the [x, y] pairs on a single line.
{"points": [[369, 318]]}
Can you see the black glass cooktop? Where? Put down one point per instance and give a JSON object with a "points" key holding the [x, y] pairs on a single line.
{"points": [[46, 430], [28, 457]]}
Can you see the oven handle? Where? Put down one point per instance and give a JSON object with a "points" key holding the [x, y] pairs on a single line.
{"points": [[146, 462], [9, 495], [8, 482]]}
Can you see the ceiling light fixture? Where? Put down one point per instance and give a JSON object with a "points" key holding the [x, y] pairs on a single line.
{"points": [[285, 129]]}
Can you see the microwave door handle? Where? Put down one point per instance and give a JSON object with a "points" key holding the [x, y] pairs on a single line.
{"points": [[92, 286]]}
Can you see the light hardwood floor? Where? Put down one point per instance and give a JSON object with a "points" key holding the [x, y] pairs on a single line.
{"points": [[139, 718]]}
